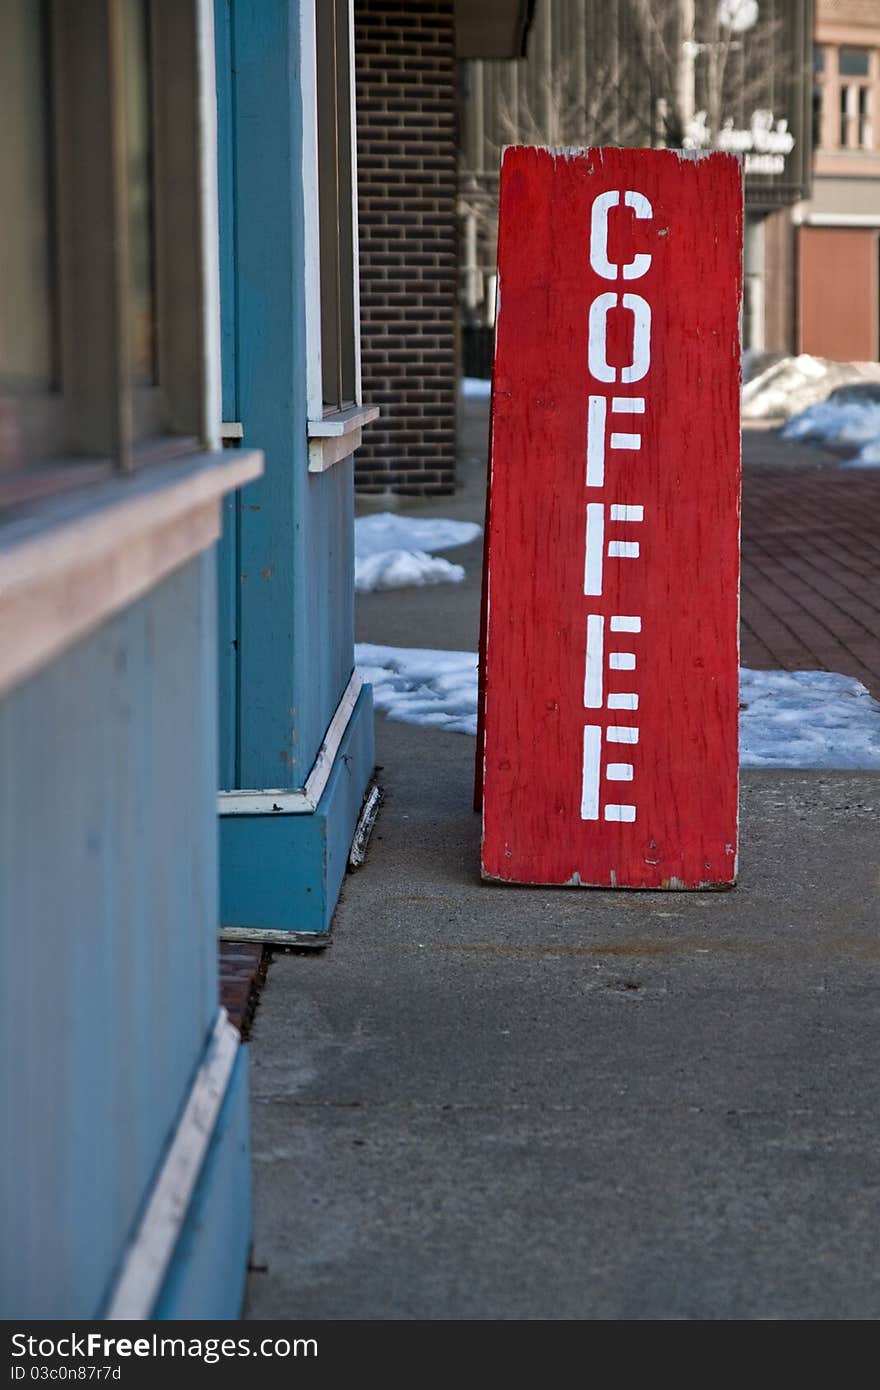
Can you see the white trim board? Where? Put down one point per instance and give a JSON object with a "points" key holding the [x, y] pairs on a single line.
{"points": [[312, 279], [364, 828], [149, 1255], [838, 219], [322, 457], [210, 214], [342, 422], [336, 436], [84, 557], [264, 936], [298, 801]]}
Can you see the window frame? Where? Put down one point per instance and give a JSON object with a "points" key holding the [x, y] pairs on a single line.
{"points": [[841, 122], [96, 421], [332, 434], [81, 556]]}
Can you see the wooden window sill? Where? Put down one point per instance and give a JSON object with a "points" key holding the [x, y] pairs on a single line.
{"points": [[335, 436], [74, 561]]}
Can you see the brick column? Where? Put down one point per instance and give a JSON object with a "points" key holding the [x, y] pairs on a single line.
{"points": [[406, 112]]}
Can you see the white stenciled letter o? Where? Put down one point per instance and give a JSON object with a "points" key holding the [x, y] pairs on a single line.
{"points": [[598, 338]]}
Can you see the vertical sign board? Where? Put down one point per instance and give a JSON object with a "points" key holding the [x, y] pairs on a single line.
{"points": [[610, 686]]}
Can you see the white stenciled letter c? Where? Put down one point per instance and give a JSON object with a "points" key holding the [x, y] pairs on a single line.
{"points": [[599, 235], [610, 270]]}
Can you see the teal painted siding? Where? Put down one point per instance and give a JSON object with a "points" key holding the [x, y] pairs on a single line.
{"points": [[209, 1266], [286, 561], [284, 872], [228, 563], [108, 916]]}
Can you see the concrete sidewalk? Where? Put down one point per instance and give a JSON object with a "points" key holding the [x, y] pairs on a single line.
{"points": [[486, 1102]]}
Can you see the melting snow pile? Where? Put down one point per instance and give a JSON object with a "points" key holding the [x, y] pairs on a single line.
{"points": [[850, 417], [796, 719], [807, 719], [419, 686], [791, 384], [476, 388], [392, 551]]}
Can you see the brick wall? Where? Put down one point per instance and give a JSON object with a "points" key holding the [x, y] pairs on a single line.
{"points": [[406, 105], [848, 12]]}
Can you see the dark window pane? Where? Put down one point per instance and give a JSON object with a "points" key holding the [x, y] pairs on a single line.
{"points": [[865, 130], [347, 345], [26, 309], [853, 62], [818, 59], [844, 118], [139, 172], [328, 201], [817, 115], [336, 248]]}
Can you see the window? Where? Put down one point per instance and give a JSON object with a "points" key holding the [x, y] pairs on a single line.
{"points": [[334, 119], [26, 288], [845, 91], [818, 94], [854, 70], [853, 62], [336, 414], [100, 280], [140, 203]]}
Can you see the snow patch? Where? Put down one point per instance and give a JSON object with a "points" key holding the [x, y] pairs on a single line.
{"points": [[867, 457], [788, 719], [854, 422], [419, 686], [390, 531], [476, 388], [807, 719], [392, 551], [791, 384], [401, 569]]}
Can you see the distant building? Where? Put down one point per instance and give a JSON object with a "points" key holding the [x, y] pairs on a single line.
{"points": [[837, 229], [694, 73], [406, 89]]}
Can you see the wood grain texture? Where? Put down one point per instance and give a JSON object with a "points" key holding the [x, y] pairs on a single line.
{"points": [[614, 497]]}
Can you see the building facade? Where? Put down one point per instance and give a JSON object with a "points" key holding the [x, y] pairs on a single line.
{"points": [[178, 367], [124, 1181], [296, 732], [677, 73], [407, 53], [837, 230], [185, 744]]}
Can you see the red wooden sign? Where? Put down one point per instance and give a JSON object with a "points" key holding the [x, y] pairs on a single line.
{"points": [[610, 675]]}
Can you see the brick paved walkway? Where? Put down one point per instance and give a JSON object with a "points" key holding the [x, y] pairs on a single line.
{"points": [[811, 561], [242, 971]]}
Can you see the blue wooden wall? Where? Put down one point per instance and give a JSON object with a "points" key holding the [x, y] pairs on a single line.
{"points": [[108, 946], [286, 561]]}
